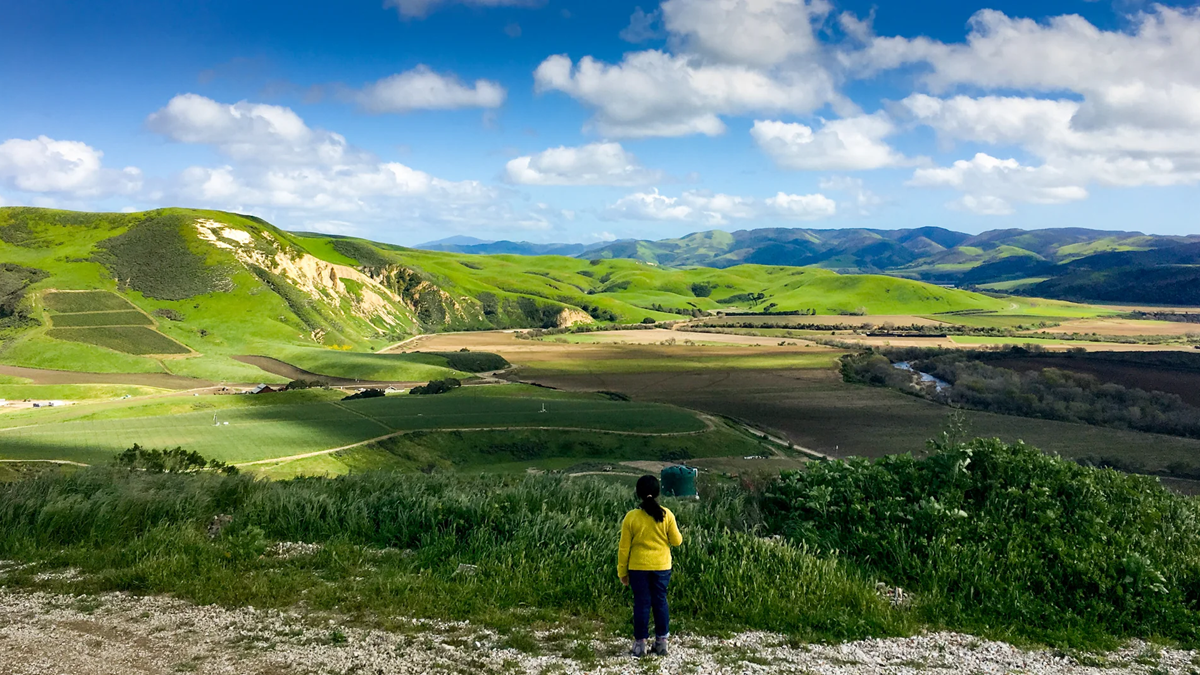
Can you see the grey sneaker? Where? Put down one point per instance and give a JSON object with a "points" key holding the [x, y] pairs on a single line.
{"points": [[660, 647], [639, 649]]}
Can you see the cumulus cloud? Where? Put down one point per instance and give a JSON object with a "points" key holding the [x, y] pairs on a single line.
{"points": [[752, 32], [849, 144], [46, 165], [594, 164], [250, 132], [276, 161], [423, 89], [718, 209], [653, 93], [1133, 119], [419, 9], [992, 185]]}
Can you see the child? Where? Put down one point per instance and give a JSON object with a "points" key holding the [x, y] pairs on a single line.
{"points": [[644, 564]]}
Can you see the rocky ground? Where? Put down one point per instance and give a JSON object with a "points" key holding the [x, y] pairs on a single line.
{"points": [[117, 634]]}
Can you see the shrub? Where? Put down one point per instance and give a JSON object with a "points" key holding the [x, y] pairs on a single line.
{"points": [[168, 314], [702, 289], [1004, 538], [176, 460], [296, 385], [365, 394], [437, 387], [649, 320]]}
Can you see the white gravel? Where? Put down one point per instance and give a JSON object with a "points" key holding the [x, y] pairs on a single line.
{"points": [[117, 634]]}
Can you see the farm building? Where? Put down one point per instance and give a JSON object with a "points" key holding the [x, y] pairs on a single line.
{"points": [[263, 389]]}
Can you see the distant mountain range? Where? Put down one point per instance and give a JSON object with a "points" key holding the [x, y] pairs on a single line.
{"points": [[1067, 263], [471, 245]]}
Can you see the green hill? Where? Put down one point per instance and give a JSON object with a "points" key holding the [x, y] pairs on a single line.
{"points": [[184, 291]]}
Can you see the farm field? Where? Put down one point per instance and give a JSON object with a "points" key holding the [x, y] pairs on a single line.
{"points": [[816, 410], [256, 433], [1125, 327]]}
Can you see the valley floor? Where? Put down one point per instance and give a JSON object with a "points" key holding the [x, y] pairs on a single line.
{"points": [[118, 634]]}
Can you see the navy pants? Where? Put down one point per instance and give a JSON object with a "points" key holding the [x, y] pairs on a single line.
{"points": [[650, 595]]}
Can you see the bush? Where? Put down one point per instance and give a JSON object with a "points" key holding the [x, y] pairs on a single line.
{"points": [[177, 460], [702, 289], [365, 394], [649, 320], [437, 387], [1003, 538], [168, 314], [296, 385]]}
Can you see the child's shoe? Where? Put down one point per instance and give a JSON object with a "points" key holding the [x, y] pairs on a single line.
{"points": [[660, 646], [639, 649]]}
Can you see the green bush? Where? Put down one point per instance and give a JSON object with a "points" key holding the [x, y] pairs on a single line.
{"points": [[1006, 540], [176, 460], [437, 387], [366, 394]]}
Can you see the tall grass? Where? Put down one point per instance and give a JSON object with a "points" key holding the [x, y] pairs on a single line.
{"points": [[1005, 540], [534, 549]]}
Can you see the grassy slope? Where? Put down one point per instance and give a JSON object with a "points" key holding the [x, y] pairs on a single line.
{"points": [[248, 317], [261, 431]]}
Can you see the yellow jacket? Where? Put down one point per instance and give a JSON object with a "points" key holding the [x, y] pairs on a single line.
{"points": [[646, 543]]}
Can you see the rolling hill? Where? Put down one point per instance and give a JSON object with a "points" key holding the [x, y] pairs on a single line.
{"points": [[185, 291], [929, 253]]}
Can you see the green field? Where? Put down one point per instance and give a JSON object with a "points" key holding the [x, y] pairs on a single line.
{"points": [[368, 367], [128, 317], [137, 340], [72, 392], [85, 301], [267, 431]]}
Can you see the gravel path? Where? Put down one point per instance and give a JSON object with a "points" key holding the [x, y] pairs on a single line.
{"points": [[117, 634]]}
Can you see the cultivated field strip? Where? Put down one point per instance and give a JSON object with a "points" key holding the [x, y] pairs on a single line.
{"points": [[260, 433]]}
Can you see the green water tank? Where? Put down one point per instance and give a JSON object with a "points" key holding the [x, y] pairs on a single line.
{"points": [[679, 481]]}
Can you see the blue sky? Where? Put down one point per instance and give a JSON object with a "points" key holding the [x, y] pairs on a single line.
{"points": [[560, 120]]}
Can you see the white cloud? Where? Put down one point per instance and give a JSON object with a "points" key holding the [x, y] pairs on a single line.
{"points": [[758, 33], [419, 9], [718, 209], [279, 164], [250, 132], [991, 185], [594, 164], [44, 164], [652, 93], [1133, 119], [850, 144], [424, 89], [802, 207]]}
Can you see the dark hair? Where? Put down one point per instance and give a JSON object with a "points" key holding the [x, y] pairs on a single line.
{"points": [[647, 491]]}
